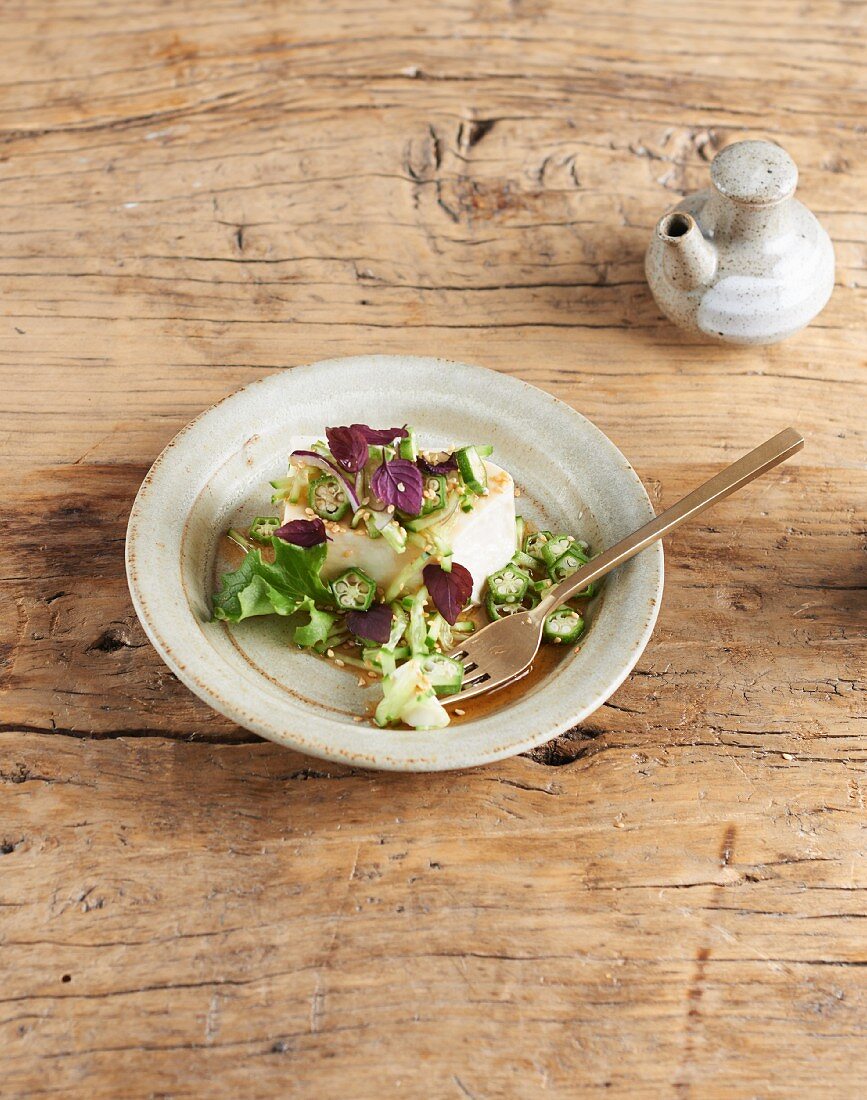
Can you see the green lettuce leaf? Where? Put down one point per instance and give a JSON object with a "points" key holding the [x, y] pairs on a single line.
{"points": [[258, 587], [248, 591], [318, 625], [299, 568]]}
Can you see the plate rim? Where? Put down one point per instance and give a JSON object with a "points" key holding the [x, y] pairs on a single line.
{"points": [[235, 711]]}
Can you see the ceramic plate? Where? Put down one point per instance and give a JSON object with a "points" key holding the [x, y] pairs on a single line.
{"points": [[216, 472]]}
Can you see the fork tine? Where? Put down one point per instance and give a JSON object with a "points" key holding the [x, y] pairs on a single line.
{"points": [[481, 687]]}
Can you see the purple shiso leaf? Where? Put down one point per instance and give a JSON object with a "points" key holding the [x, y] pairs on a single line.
{"points": [[374, 624], [446, 467], [379, 437], [303, 532], [349, 448], [314, 459], [449, 591], [400, 483]]}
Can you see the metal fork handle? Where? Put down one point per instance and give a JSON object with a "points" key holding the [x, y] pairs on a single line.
{"points": [[727, 481]]}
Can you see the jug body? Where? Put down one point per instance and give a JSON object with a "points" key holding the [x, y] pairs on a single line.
{"points": [[744, 261]]}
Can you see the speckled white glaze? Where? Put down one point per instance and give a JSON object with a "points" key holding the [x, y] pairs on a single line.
{"points": [[217, 469], [743, 262]]}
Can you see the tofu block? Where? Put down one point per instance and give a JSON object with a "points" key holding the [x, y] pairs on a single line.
{"points": [[482, 540]]}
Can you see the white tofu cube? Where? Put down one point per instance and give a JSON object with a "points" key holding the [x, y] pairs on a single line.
{"points": [[482, 540]]}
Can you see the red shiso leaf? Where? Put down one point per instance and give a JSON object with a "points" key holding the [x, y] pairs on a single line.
{"points": [[303, 532], [400, 483], [445, 467], [374, 624], [449, 591], [348, 446], [379, 437]]}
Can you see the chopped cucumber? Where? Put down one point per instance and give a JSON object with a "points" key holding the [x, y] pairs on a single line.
{"points": [[327, 497], [473, 471], [508, 584], [407, 448], [383, 659], [563, 626], [281, 487], [406, 576], [373, 532], [416, 634], [485, 449], [239, 539], [398, 628], [395, 536], [408, 696], [520, 526], [263, 527], [353, 590], [445, 674], [290, 488]]}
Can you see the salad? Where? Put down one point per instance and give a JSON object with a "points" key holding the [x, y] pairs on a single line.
{"points": [[386, 556]]}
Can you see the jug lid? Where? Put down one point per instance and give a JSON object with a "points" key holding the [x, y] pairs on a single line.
{"points": [[759, 173]]}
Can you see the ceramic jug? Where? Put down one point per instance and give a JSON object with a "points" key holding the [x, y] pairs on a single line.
{"points": [[743, 262]]}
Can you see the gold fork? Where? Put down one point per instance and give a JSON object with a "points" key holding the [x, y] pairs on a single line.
{"points": [[503, 650]]}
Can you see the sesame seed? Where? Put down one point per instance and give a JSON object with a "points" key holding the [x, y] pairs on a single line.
{"points": [[362, 682], [339, 663], [517, 491], [577, 649], [358, 718], [371, 675], [401, 488], [460, 712], [390, 509], [329, 652], [309, 512]]}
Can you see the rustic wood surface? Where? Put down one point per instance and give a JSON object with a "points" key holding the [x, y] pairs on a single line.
{"points": [[668, 901]]}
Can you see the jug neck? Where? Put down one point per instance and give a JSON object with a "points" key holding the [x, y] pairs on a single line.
{"points": [[730, 220], [753, 184]]}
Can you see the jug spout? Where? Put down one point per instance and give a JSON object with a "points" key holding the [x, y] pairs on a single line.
{"points": [[689, 259]]}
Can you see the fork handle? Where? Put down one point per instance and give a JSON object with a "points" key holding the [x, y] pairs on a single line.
{"points": [[727, 481]]}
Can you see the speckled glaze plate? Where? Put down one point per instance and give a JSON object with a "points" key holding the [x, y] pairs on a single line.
{"points": [[216, 472]]}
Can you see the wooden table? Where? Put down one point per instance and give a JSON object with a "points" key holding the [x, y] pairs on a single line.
{"points": [[667, 901]]}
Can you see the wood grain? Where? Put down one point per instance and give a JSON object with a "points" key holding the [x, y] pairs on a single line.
{"points": [[668, 900]]}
